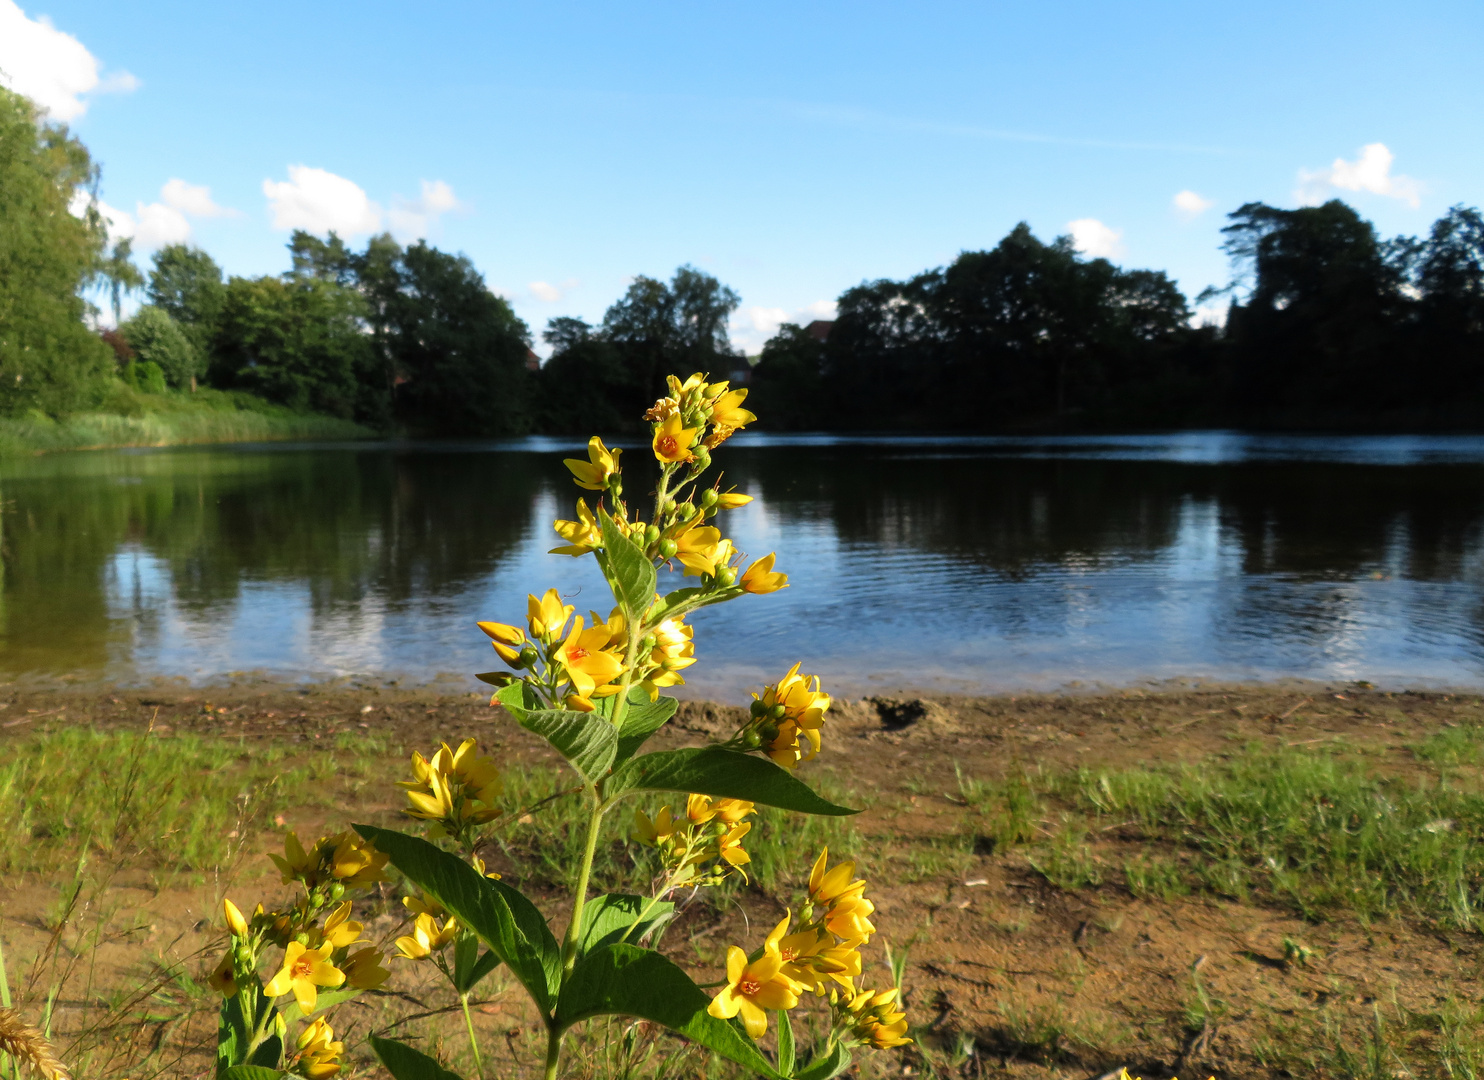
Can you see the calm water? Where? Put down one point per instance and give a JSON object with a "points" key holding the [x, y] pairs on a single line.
{"points": [[949, 564]]}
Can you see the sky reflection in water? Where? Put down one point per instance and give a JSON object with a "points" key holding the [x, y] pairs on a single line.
{"points": [[950, 564]]}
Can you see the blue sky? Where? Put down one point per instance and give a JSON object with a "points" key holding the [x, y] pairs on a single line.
{"points": [[792, 150]]}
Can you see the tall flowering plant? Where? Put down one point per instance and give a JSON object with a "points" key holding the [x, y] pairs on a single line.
{"points": [[591, 687]]}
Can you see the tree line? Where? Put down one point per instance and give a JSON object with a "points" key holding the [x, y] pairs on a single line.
{"points": [[1327, 324]]}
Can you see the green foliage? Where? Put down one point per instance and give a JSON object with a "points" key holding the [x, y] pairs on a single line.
{"points": [[146, 376], [158, 339], [711, 770], [407, 1063], [49, 361], [629, 981], [618, 917], [587, 740], [508, 924], [630, 572], [186, 283]]}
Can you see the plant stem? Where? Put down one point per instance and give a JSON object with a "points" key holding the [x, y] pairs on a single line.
{"points": [[553, 1051], [579, 894], [473, 1042]]}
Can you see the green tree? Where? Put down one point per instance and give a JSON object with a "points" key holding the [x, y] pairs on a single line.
{"points": [[120, 276], [582, 356], [456, 353], [786, 385], [49, 360], [186, 283], [295, 342], [158, 339]]}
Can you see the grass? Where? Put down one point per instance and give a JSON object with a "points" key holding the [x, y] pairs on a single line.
{"points": [[133, 418], [1314, 830]]}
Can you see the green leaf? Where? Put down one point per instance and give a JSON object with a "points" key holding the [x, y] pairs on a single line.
{"points": [[587, 740], [405, 1063], [518, 699], [251, 1072], [632, 573], [785, 1043], [469, 964], [826, 1066], [714, 771], [504, 919], [606, 920], [494, 678], [625, 980], [327, 999], [641, 720]]}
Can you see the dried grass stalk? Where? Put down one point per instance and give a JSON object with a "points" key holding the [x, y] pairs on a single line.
{"points": [[24, 1043]]}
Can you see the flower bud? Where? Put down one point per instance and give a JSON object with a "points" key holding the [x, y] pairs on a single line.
{"points": [[337, 890], [703, 459], [651, 534], [751, 739], [235, 922], [648, 643], [726, 577], [243, 956], [687, 511], [668, 507], [668, 548], [757, 708], [709, 497], [616, 486], [529, 656], [778, 712]]}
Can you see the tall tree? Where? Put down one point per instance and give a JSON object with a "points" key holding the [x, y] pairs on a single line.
{"points": [[186, 283], [120, 276], [49, 360]]}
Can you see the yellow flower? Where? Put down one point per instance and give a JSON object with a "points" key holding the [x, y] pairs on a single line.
{"points": [[235, 922], [653, 832], [702, 808], [318, 1052], [759, 578], [423, 904], [875, 1019], [304, 971], [356, 862], [753, 989], [340, 930], [507, 640], [727, 410], [547, 616], [295, 863], [601, 463], [730, 500], [847, 912], [581, 535], [848, 917], [826, 886], [426, 937], [698, 549], [810, 957], [673, 440], [662, 409], [729, 847], [803, 706], [585, 658], [363, 969], [221, 979]]}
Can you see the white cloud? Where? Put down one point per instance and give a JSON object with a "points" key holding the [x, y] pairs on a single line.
{"points": [[1093, 238], [1190, 206], [411, 219], [50, 67], [318, 201], [751, 327], [548, 293], [1210, 315], [192, 199], [1370, 171], [153, 225]]}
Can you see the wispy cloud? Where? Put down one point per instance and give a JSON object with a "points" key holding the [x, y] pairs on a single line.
{"points": [[1190, 206], [413, 219], [1092, 237]]}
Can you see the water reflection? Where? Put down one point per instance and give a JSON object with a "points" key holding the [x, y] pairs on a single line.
{"points": [[932, 563]]}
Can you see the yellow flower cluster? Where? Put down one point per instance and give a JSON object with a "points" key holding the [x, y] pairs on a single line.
{"points": [[455, 790], [679, 420], [319, 1053], [823, 955], [343, 859], [711, 832], [786, 719], [314, 956], [871, 1018], [573, 662]]}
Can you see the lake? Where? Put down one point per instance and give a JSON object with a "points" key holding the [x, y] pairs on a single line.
{"points": [[949, 564]]}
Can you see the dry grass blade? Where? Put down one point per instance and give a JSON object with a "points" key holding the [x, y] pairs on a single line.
{"points": [[24, 1043]]}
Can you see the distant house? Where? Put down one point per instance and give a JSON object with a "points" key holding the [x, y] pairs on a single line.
{"points": [[533, 362], [820, 329], [741, 374]]}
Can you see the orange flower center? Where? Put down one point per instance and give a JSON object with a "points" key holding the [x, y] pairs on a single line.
{"points": [[788, 952], [749, 987], [302, 968], [577, 654], [668, 445]]}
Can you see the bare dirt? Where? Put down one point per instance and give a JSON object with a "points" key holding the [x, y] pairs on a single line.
{"points": [[1008, 975]]}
